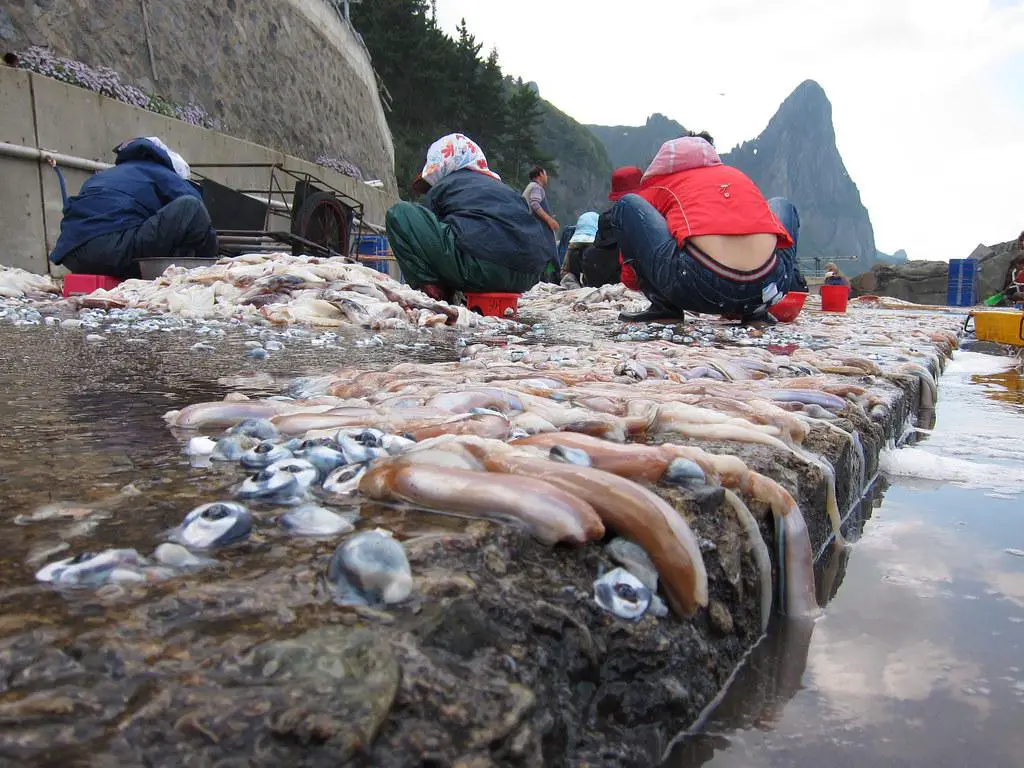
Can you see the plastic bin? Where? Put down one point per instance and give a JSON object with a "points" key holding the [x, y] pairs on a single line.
{"points": [[1000, 327], [76, 285], [963, 288], [493, 304], [834, 298], [787, 309], [373, 245]]}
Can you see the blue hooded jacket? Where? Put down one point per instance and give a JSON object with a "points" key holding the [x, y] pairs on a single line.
{"points": [[141, 182]]}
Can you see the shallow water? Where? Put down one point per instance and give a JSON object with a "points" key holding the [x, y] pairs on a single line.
{"points": [[919, 659]]}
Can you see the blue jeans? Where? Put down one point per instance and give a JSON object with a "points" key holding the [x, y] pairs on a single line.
{"points": [[678, 278]]}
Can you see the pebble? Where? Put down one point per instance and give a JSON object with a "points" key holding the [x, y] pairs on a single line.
{"points": [[258, 353], [720, 618], [494, 561], [201, 347], [94, 338], [71, 323]]}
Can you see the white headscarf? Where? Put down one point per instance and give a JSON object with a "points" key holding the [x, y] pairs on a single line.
{"points": [[453, 153], [180, 166]]}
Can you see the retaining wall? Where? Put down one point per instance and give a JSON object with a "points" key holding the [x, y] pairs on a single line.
{"points": [[44, 113], [287, 74]]}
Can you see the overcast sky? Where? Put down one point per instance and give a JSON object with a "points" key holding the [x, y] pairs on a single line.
{"points": [[927, 95]]}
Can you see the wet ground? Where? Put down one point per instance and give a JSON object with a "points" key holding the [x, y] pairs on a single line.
{"points": [[136, 675], [918, 660], [252, 658]]}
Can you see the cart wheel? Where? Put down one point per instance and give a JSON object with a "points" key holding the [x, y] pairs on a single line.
{"points": [[324, 220]]}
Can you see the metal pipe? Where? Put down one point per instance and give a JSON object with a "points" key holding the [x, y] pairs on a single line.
{"points": [[22, 152]]}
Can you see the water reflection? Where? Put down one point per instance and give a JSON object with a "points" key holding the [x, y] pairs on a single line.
{"points": [[918, 659], [773, 672]]}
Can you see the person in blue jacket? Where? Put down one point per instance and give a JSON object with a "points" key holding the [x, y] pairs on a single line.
{"points": [[142, 207], [472, 233]]}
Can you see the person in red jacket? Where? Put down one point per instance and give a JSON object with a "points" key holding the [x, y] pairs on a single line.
{"points": [[702, 238], [626, 180]]}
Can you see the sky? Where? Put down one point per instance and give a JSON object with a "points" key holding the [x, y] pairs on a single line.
{"points": [[927, 95]]}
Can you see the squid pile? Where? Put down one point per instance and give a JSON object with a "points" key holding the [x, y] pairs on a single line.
{"points": [[287, 290]]}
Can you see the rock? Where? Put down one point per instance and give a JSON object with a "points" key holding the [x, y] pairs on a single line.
{"points": [[720, 618], [494, 560], [329, 690], [927, 282], [708, 497], [796, 157]]}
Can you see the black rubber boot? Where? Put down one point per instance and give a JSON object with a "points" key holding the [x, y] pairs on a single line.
{"points": [[652, 314]]}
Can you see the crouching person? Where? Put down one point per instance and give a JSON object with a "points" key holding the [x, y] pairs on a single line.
{"points": [[702, 238], [142, 207], [472, 232]]}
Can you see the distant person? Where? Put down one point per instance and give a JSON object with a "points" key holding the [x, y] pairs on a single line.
{"points": [[536, 196], [472, 232], [702, 238], [1013, 293], [142, 207], [584, 232], [625, 180], [834, 277]]}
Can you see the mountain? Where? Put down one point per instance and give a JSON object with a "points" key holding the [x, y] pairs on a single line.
{"points": [[794, 157], [583, 176], [637, 145], [892, 259]]}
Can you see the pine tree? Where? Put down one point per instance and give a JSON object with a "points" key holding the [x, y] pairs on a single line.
{"points": [[462, 82], [520, 146]]}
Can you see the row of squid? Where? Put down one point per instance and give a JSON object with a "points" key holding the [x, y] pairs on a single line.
{"points": [[553, 450], [558, 440]]}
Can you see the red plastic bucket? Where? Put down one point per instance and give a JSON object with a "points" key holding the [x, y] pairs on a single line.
{"points": [[79, 284], [493, 304], [787, 309], [834, 298]]}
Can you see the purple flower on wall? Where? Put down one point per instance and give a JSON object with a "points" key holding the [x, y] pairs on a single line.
{"points": [[108, 82], [339, 165]]}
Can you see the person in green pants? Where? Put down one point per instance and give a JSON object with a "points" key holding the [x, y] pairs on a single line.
{"points": [[471, 233]]}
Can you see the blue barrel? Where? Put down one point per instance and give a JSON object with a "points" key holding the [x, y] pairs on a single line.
{"points": [[963, 288]]}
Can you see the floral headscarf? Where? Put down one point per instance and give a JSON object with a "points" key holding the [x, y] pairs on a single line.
{"points": [[453, 153], [683, 154]]}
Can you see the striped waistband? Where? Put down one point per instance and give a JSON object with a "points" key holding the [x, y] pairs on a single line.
{"points": [[728, 273]]}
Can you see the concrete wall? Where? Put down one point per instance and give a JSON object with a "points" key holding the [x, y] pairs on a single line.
{"points": [[45, 113], [287, 74]]}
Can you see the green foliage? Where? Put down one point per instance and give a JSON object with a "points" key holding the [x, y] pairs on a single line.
{"points": [[440, 85], [519, 152]]}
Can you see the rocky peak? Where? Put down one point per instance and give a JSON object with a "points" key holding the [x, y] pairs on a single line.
{"points": [[796, 157]]}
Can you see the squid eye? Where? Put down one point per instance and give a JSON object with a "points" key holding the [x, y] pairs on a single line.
{"points": [[216, 512]]}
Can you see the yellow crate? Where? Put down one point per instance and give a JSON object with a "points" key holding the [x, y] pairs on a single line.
{"points": [[1000, 327]]}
